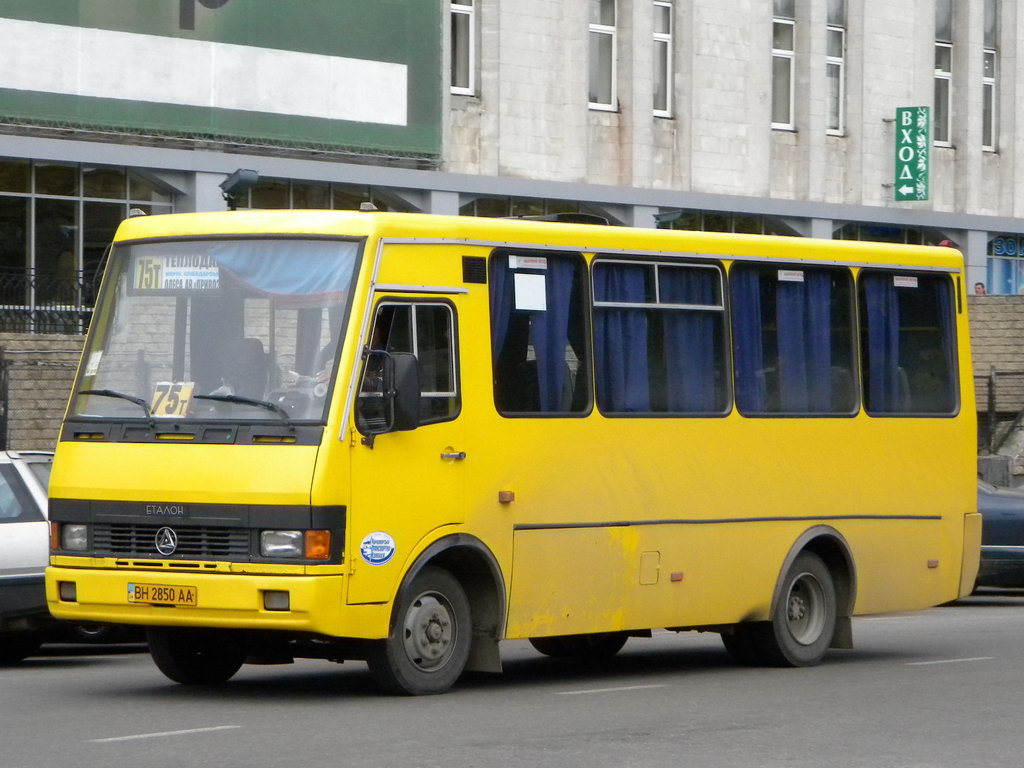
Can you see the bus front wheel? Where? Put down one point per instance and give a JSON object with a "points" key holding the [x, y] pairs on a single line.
{"points": [[801, 630], [194, 657], [428, 646]]}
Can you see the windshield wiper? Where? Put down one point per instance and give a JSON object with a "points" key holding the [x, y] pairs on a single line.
{"points": [[273, 407], [130, 398]]}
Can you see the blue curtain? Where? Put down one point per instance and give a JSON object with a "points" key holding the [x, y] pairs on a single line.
{"points": [[944, 303], [885, 392], [747, 327], [549, 334], [804, 323], [548, 330], [620, 340], [689, 339], [304, 268], [502, 301]]}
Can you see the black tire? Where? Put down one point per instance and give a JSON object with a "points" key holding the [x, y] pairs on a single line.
{"points": [[430, 638], [801, 630], [740, 645], [195, 657], [592, 647], [95, 633], [15, 648]]}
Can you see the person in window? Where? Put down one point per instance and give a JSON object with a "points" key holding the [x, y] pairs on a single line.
{"points": [[979, 289], [246, 373]]}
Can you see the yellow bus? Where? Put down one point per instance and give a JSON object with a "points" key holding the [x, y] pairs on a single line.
{"points": [[403, 438]]}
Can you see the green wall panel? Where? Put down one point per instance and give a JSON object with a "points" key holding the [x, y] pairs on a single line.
{"points": [[405, 32]]}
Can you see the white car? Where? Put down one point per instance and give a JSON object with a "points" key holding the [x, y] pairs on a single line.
{"points": [[24, 552]]}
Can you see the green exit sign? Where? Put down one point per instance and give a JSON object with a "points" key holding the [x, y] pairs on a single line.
{"points": [[913, 126]]}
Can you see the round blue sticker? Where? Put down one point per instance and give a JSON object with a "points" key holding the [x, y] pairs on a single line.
{"points": [[377, 548]]}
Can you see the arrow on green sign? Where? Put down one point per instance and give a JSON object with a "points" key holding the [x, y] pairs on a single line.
{"points": [[913, 126]]}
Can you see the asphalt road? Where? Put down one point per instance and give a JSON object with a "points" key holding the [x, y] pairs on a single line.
{"points": [[942, 687]]}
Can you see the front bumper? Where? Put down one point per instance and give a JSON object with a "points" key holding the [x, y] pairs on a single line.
{"points": [[224, 600]]}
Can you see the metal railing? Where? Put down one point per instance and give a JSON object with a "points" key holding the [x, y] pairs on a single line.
{"points": [[1002, 392], [42, 301]]}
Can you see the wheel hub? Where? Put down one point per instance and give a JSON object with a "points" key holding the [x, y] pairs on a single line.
{"points": [[429, 632], [805, 609]]}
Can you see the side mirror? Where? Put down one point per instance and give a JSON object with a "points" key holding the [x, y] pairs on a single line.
{"points": [[389, 394], [405, 392]]}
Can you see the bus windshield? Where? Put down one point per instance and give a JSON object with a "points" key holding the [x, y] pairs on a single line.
{"points": [[218, 329]]}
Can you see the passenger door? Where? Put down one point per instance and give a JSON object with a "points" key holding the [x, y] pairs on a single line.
{"points": [[405, 484]]}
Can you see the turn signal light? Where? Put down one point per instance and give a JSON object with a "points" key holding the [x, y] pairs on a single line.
{"points": [[318, 545], [54, 537]]}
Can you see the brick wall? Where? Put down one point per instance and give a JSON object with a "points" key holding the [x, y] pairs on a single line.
{"points": [[997, 341], [40, 370]]}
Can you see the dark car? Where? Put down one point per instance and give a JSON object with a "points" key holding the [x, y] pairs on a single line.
{"points": [[1002, 536]]}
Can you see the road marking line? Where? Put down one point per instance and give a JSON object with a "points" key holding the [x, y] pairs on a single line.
{"points": [[164, 733], [612, 690], [949, 661]]}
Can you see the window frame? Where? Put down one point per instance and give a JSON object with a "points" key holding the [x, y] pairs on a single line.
{"points": [[657, 305], [943, 76], [586, 311], [788, 55], [854, 333], [468, 9], [414, 303], [989, 102], [838, 62], [952, 341], [664, 39], [610, 31]]}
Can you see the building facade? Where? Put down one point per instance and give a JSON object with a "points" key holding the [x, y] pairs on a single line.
{"points": [[774, 116]]}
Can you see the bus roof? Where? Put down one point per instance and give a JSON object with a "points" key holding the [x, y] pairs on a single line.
{"points": [[527, 233]]}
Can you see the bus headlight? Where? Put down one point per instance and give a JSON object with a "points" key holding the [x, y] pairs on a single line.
{"points": [[308, 545], [281, 544], [74, 537]]}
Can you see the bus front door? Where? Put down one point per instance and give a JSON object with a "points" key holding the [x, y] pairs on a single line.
{"points": [[410, 482]]}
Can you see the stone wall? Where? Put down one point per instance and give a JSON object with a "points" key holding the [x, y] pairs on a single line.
{"points": [[39, 371], [997, 343]]}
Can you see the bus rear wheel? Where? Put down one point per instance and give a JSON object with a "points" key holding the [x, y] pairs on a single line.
{"points": [[195, 657], [803, 625], [429, 643], [592, 647]]}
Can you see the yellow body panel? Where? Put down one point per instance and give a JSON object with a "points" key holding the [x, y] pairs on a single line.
{"points": [[689, 519]]}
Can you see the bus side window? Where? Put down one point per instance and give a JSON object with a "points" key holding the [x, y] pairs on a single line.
{"points": [[538, 333], [659, 338], [907, 343], [425, 330], [793, 339]]}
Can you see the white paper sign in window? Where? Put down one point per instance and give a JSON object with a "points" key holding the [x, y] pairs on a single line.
{"points": [[531, 292]]}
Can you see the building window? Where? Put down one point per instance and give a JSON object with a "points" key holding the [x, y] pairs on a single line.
{"points": [[783, 37], [56, 221], [663, 58], [988, 77], [943, 71], [1005, 265], [463, 43], [835, 67], [602, 54]]}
